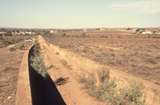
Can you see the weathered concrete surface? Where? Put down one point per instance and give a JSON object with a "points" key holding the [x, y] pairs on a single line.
{"points": [[23, 94]]}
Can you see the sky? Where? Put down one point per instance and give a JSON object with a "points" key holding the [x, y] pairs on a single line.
{"points": [[79, 13]]}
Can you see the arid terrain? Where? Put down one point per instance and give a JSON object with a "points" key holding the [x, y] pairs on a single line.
{"points": [[126, 51], [137, 54], [11, 53], [9, 63]]}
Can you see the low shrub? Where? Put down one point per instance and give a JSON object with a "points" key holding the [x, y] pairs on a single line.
{"points": [[38, 65], [108, 92], [37, 61]]}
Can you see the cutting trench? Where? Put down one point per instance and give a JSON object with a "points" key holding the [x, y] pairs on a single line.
{"points": [[43, 89]]}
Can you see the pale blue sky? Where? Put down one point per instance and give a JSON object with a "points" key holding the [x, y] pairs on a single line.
{"points": [[79, 13]]}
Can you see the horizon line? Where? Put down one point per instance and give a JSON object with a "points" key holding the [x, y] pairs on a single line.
{"points": [[81, 27]]}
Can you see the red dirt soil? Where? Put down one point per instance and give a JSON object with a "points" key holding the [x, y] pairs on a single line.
{"points": [[9, 63]]}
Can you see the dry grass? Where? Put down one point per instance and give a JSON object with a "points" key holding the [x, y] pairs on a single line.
{"points": [[137, 55], [107, 90]]}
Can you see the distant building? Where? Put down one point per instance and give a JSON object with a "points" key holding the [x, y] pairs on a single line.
{"points": [[29, 33], [52, 31], [1, 33], [147, 32], [100, 29], [22, 33]]}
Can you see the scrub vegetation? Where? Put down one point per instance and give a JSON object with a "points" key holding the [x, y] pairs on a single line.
{"points": [[37, 61], [109, 92]]}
